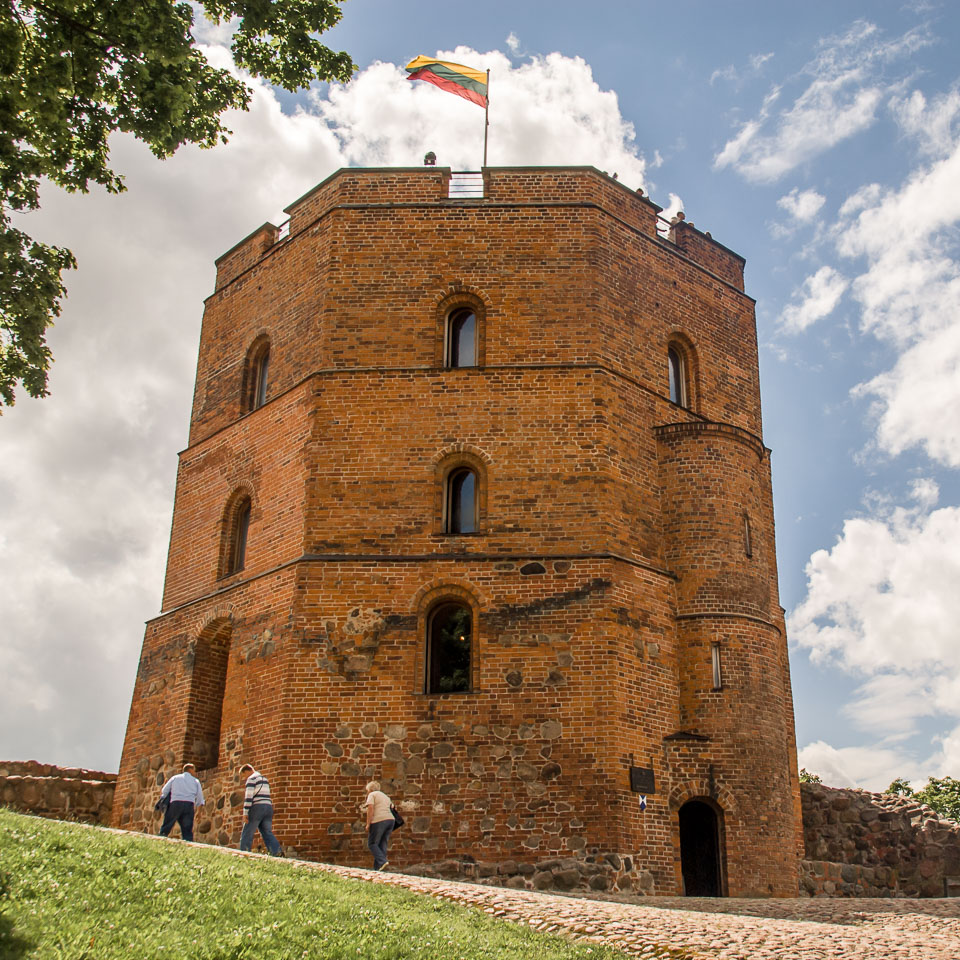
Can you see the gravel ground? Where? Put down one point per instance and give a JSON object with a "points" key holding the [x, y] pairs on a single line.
{"points": [[732, 929]]}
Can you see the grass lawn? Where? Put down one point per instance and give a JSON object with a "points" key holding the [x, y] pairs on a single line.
{"points": [[69, 891]]}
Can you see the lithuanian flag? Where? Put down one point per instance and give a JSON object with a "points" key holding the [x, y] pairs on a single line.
{"points": [[453, 77]]}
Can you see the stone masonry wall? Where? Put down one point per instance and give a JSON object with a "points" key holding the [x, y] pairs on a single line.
{"points": [[860, 844], [60, 793]]}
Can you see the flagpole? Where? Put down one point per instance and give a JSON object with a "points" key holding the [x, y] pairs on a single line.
{"points": [[486, 119]]}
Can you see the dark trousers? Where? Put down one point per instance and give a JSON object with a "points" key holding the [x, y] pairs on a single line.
{"points": [[260, 818], [179, 811], [377, 837]]}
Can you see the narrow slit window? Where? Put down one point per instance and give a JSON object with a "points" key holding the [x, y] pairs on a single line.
{"points": [[462, 501], [260, 379], [449, 636], [747, 537], [717, 670], [462, 339], [678, 377], [240, 529]]}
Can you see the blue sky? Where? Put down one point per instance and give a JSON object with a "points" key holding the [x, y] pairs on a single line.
{"points": [[820, 141]]}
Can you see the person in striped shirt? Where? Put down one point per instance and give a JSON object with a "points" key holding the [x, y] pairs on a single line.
{"points": [[258, 811]]}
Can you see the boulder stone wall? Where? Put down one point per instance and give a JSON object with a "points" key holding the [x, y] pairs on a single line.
{"points": [[60, 793], [856, 843], [609, 872], [861, 844]]}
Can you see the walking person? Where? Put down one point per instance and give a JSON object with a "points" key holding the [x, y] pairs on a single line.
{"points": [[379, 823], [185, 795], [258, 810]]}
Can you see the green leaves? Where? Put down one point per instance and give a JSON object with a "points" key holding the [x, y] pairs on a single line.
{"points": [[943, 794], [30, 291], [901, 787], [940, 793], [72, 72]]}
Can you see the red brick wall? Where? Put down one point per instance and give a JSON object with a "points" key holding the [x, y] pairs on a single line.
{"points": [[608, 559]]}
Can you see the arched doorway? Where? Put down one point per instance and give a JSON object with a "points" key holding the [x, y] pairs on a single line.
{"points": [[700, 850]]}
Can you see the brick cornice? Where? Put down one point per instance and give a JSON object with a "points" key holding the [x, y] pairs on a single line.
{"points": [[333, 372], [725, 615], [673, 431], [374, 558]]}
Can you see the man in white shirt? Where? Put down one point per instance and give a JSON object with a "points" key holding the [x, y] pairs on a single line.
{"points": [[379, 823], [185, 795]]}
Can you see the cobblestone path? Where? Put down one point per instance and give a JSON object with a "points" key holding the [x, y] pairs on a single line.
{"points": [[730, 929]]}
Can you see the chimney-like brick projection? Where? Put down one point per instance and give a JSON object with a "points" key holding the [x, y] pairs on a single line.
{"points": [[607, 562]]}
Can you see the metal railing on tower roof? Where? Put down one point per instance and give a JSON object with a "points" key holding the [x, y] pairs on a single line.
{"points": [[466, 185]]}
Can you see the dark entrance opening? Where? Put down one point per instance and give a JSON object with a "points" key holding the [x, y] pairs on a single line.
{"points": [[700, 850]]}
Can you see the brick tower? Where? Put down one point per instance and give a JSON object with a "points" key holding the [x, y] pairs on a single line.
{"points": [[476, 503]]}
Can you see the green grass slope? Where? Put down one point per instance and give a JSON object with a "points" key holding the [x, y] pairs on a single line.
{"points": [[69, 891]]}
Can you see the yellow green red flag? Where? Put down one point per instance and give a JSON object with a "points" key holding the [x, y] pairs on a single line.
{"points": [[453, 77]]}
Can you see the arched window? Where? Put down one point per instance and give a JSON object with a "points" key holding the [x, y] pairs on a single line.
{"points": [[256, 374], [461, 501], [747, 536], [678, 377], [449, 636], [236, 527], [462, 338]]}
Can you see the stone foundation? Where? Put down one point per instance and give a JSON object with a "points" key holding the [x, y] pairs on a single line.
{"points": [[861, 844], [822, 878], [603, 872], [60, 793], [857, 844]]}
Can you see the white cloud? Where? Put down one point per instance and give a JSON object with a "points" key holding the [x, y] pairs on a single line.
{"points": [[884, 585], [840, 101], [865, 767], [87, 475], [513, 42], [755, 63], [882, 604], [819, 295], [828, 111], [802, 205], [208, 33], [932, 125], [925, 491], [909, 294], [545, 110], [728, 72]]}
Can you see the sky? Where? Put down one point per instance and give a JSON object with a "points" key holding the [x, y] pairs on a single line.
{"points": [[820, 141]]}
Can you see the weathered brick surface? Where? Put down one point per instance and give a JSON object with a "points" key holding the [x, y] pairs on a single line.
{"points": [[609, 557]]}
